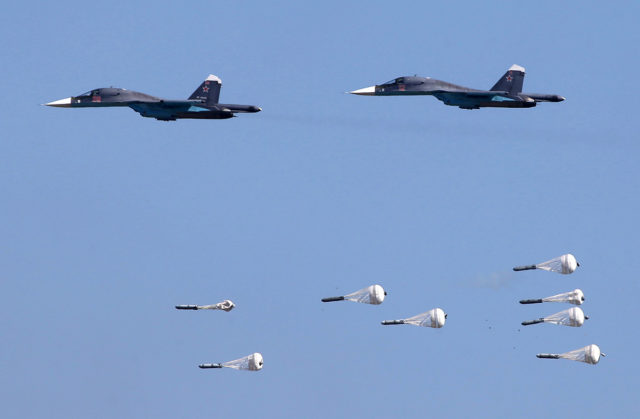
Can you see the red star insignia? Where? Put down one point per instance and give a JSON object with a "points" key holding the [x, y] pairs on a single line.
{"points": [[509, 78], [205, 89]]}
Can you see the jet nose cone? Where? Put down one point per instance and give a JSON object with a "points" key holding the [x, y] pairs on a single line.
{"points": [[62, 103], [367, 91], [561, 98]]}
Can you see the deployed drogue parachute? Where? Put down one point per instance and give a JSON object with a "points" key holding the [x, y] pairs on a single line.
{"points": [[433, 318], [251, 362], [589, 354], [226, 305], [575, 297], [564, 264], [373, 294], [572, 317]]}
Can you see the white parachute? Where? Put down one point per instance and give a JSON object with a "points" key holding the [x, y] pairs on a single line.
{"points": [[564, 264], [373, 294], [575, 297], [433, 318], [226, 305], [572, 317], [590, 354], [251, 362]]}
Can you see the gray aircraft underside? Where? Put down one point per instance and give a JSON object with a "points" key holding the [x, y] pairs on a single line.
{"points": [[202, 104], [506, 93]]}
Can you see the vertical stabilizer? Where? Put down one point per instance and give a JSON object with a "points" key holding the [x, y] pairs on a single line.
{"points": [[511, 81], [209, 90]]}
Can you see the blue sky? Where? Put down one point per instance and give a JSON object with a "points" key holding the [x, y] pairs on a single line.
{"points": [[109, 219]]}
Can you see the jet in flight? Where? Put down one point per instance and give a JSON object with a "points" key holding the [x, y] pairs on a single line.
{"points": [[506, 93], [202, 104]]}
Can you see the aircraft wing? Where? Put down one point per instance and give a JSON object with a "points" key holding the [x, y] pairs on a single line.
{"points": [[162, 103], [166, 109], [480, 95], [179, 103]]}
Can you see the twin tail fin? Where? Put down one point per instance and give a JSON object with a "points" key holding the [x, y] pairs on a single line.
{"points": [[208, 91], [511, 81]]}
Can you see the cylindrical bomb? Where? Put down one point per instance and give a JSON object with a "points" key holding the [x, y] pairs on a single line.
{"points": [[253, 362], [549, 356], [524, 268], [575, 297], [564, 264], [387, 322], [330, 299], [573, 317], [536, 301], [590, 354], [529, 322], [435, 318], [210, 366], [373, 294], [226, 305]]}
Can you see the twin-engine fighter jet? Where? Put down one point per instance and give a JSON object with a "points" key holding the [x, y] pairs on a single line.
{"points": [[506, 93], [202, 104]]}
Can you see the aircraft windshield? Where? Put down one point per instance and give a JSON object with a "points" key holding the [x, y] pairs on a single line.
{"points": [[390, 82], [85, 93]]}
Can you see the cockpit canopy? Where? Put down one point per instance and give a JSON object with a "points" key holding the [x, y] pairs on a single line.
{"points": [[103, 92], [404, 80]]}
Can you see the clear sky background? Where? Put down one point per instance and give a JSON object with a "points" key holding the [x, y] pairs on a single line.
{"points": [[108, 219]]}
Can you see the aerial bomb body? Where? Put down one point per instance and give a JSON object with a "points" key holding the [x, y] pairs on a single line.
{"points": [[575, 297], [590, 354], [564, 264], [373, 294], [573, 317], [226, 305], [435, 318], [253, 362]]}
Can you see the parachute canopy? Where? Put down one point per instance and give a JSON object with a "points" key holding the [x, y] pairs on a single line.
{"points": [[251, 362], [572, 317], [226, 305], [589, 354], [373, 294], [564, 264], [575, 297], [433, 318]]}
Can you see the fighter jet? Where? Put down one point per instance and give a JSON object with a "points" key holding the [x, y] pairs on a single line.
{"points": [[202, 104], [506, 93]]}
